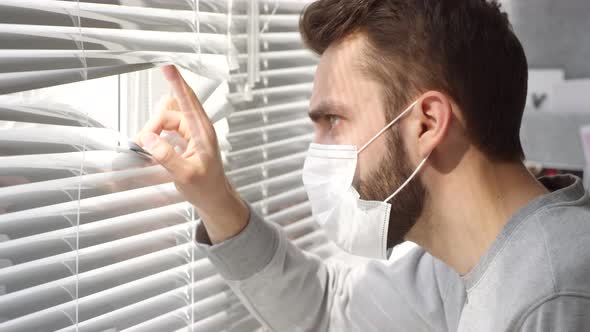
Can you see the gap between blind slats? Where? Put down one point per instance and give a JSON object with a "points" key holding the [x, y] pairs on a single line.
{"points": [[21, 81], [42, 114]]}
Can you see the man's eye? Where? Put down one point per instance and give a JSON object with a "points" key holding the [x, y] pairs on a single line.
{"points": [[334, 120]]}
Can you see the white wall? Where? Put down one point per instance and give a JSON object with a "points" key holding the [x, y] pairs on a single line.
{"points": [[555, 34]]}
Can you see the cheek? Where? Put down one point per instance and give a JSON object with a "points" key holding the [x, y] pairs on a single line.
{"points": [[370, 160]]}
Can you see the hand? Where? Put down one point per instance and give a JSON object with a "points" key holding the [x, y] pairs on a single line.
{"points": [[197, 173]]}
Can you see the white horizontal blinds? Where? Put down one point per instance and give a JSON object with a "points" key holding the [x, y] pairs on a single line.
{"points": [[50, 42], [93, 238], [269, 131], [81, 243]]}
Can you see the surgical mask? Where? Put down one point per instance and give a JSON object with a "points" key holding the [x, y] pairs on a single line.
{"points": [[357, 226]]}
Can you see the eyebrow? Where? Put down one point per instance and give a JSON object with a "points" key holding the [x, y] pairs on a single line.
{"points": [[327, 108]]}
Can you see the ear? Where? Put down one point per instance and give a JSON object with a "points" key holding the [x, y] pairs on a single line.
{"points": [[433, 113]]}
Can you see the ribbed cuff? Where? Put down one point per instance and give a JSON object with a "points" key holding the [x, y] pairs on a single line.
{"points": [[245, 254]]}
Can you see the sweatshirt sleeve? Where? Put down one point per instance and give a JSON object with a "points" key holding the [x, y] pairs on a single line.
{"points": [[567, 312], [291, 290]]}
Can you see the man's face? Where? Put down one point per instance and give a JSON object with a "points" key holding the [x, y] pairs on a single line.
{"points": [[347, 107]]}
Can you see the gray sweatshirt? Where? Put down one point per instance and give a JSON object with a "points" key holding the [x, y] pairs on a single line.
{"points": [[534, 277]]}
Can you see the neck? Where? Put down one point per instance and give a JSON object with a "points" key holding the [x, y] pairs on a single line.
{"points": [[469, 206]]}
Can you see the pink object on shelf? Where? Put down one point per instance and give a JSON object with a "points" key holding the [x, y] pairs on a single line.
{"points": [[585, 131]]}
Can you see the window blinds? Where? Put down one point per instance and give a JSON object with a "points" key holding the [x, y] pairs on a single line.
{"points": [[269, 131], [49, 42], [96, 238]]}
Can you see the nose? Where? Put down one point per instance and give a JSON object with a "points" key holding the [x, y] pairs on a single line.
{"points": [[322, 138]]}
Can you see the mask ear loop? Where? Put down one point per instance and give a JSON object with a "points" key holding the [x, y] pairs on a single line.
{"points": [[388, 126], [409, 179]]}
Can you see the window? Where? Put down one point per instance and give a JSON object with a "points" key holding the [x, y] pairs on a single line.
{"points": [[95, 238]]}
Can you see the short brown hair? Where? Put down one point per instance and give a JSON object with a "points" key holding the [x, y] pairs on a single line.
{"points": [[464, 48]]}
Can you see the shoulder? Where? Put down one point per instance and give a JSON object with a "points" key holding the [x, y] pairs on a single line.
{"points": [[565, 232], [565, 311]]}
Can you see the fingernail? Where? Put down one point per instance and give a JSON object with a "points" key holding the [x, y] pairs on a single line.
{"points": [[148, 140], [169, 72]]}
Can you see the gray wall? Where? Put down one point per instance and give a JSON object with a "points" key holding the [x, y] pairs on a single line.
{"points": [[555, 33]]}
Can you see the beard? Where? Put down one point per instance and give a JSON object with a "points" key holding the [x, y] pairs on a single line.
{"points": [[393, 170]]}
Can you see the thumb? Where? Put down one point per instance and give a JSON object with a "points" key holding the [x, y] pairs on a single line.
{"points": [[163, 152]]}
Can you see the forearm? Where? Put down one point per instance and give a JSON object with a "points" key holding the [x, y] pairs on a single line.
{"points": [[281, 285], [224, 220]]}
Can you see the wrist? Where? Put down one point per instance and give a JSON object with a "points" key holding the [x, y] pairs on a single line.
{"points": [[226, 217]]}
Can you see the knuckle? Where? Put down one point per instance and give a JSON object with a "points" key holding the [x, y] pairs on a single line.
{"points": [[167, 154]]}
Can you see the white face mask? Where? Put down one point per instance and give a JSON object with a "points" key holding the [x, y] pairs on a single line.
{"points": [[355, 225]]}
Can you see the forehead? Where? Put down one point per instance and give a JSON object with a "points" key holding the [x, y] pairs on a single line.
{"points": [[340, 78]]}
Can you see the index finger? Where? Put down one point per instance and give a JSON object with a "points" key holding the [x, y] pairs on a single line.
{"points": [[197, 119]]}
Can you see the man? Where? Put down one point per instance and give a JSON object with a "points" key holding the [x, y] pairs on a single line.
{"points": [[498, 250]]}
